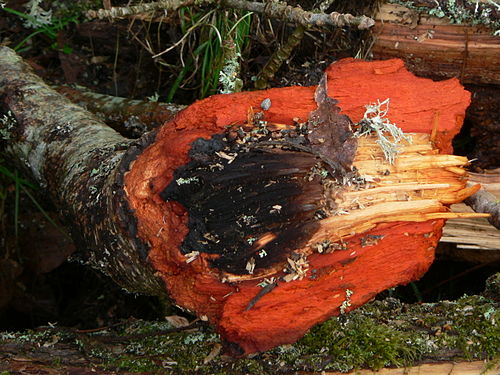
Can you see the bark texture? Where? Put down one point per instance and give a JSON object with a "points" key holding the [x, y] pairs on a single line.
{"points": [[131, 118], [79, 162], [435, 47], [271, 9]]}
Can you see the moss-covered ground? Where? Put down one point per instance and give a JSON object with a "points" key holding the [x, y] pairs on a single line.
{"points": [[382, 333]]}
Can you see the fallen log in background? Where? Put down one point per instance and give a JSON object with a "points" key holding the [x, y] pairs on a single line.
{"points": [[440, 48], [437, 47], [109, 189]]}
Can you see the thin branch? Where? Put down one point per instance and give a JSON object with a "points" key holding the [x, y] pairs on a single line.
{"points": [[278, 57], [119, 12], [129, 117], [283, 53], [483, 201], [273, 9], [278, 9]]}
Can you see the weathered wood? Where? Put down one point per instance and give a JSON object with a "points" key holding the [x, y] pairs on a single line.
{"points": [[460, 368], [110, 188], [477, 240], [463, 47], [79, 162], [435, 48]]}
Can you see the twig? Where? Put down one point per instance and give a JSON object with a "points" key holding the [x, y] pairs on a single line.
{"points": [[229, 75], [283, 53], [278, 9], [119, 12], [273, 9], [267, 289], [278, 57], [138, 336]]}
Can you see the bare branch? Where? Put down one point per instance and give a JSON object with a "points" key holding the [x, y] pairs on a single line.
{"points": [[483, 201], [273, 9]]}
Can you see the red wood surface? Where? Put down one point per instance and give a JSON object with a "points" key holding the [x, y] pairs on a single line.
{"points": [[285, 314]]}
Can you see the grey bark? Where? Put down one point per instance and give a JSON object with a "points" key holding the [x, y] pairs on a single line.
{"points": [[131, 118], [273, 9], [483, 201], [79, 162]]}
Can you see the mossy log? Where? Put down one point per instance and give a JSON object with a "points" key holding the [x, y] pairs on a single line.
{"points": [[265, 222], [423, 338], [462, 368]]}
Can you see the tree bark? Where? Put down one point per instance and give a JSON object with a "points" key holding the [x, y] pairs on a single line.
{"points": [[176, 211], [131, 118], [79, 162]]}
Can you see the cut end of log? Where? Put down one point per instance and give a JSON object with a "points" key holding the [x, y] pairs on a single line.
{"points": [[271, 221]]}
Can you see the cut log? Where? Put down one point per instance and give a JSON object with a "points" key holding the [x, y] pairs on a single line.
{"points": [[265, 222]]}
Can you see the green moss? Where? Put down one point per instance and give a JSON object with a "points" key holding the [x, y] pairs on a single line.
{"points": [[359, 342], [177, 352], [134, 364], [387, 333], [382, 333]]}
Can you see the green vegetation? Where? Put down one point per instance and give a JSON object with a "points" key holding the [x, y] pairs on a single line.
{"points": [[211, 41], [49, 22], [11, 182], [49, 30], [382, 333]]}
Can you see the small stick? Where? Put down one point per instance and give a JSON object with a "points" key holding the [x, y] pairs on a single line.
{"points": [[267, 289], [435, 126], [483, 201]]}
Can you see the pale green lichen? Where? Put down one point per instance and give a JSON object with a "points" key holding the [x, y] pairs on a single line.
{"points": [[184, 181], [389, 135], [229, 75], [476, 13], [37, 16], [347, 302], [7, 123]]}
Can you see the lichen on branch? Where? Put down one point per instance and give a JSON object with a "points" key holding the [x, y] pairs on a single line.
{"points": [[273, 9]]}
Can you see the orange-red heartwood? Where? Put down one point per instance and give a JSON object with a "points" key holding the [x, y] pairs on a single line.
{"points": [[284, 315]]}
